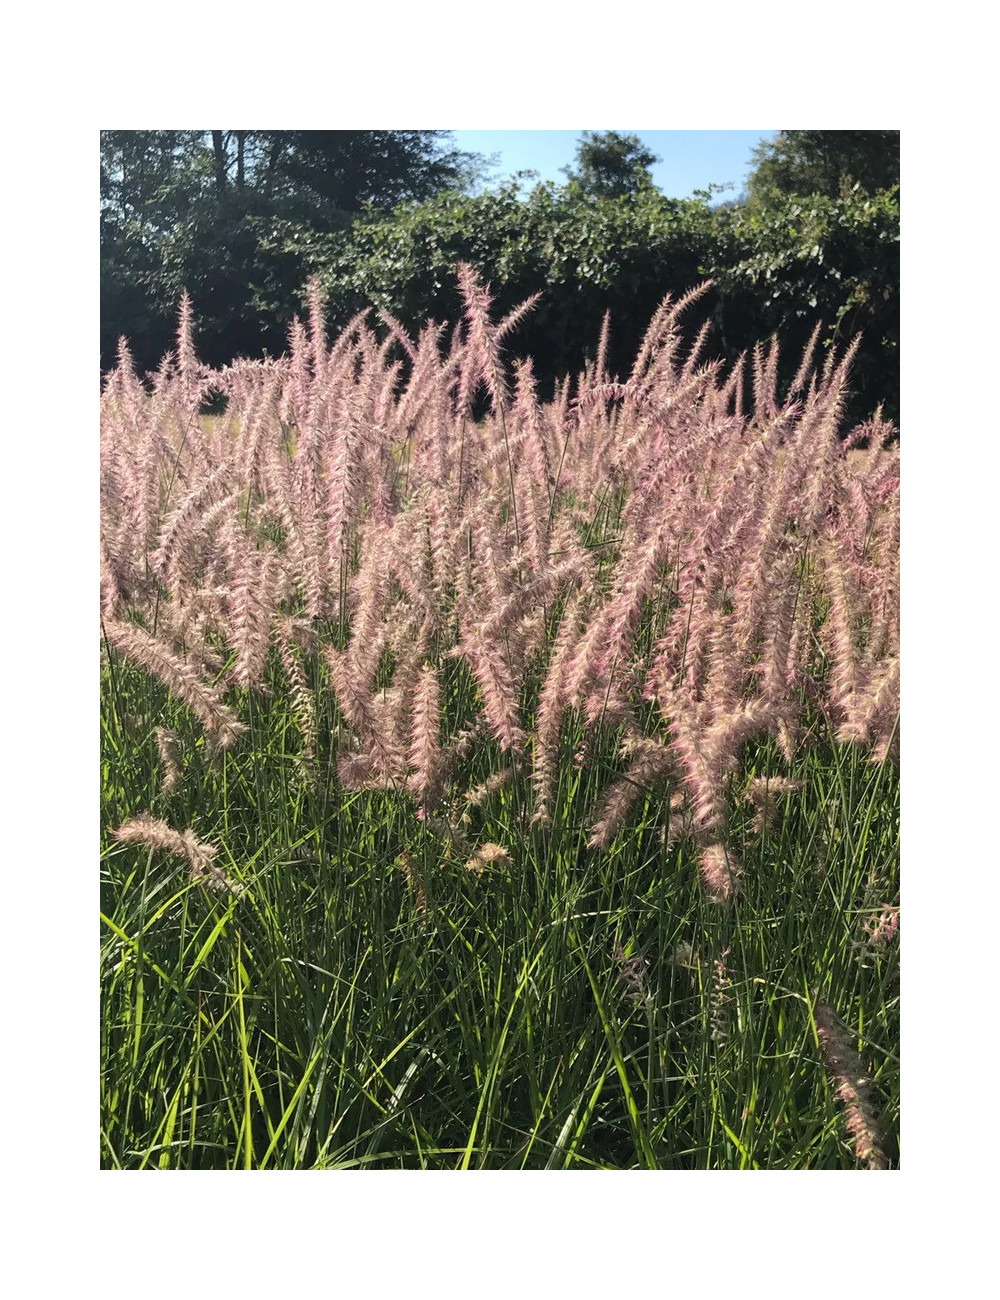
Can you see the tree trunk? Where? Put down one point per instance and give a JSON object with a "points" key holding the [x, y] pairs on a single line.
{"points": [[219, 149], [277, 148]]}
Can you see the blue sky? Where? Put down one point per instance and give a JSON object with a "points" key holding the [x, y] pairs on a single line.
{"points": [[690, 159]]}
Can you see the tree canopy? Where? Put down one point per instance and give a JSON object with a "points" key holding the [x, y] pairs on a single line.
{"points": [[824, 162], [330, 171], [610, 165], [347, 169]]}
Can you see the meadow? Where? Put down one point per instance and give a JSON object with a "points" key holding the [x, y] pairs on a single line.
{"points": [[491, 783]]}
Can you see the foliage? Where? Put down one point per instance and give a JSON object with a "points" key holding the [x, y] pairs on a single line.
{"points": [[196, 211], [610, 165], [783, 268], [245, 246], [824, 162], [346, 170], [585, 256]]}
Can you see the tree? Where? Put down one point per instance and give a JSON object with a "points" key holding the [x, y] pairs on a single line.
{"points": [[824, 162], [149, 182], [144, 173], [610, 165], [343, 170], [194, 210]]}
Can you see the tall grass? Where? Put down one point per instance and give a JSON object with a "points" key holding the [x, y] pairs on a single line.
{"points": [[505, 792]]}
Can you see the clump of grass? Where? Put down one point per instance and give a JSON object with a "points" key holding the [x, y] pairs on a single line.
{"points": [[611, 681]]}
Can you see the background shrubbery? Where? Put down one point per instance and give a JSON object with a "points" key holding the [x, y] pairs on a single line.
{"points": [[242, 219]]}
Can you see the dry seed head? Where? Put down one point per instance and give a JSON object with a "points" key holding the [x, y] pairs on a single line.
{"points": [[487, 856], [881, 930], [720, 999], [478, 795], [683, 954], [852, 1088], [201, 697], [146, 829], [413, 879], [719, 869], [764, 792], [171, 757]]}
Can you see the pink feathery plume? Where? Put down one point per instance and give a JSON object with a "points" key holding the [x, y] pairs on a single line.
{"points": [[852, 1087], [201, 697], [425, 739]]}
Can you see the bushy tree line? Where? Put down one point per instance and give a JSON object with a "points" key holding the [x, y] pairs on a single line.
{"points": [[197, 210], [242, 220]]}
